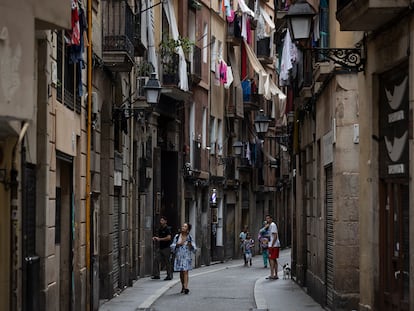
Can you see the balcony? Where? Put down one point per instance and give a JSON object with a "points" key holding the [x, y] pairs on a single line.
{"points": [[251, 99], [244, 165], [170, 64], [234, 32], [139, 47], [368, 15], [196, 65], [118, 35], [280, 10], [263, 51]]}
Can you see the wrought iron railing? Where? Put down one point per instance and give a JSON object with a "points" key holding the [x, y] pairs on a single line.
{"points": [[249, 91], [263, 47], [170, 66], [118, 26]]}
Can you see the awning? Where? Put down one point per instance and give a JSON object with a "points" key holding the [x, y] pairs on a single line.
{"points": [[245, 9], [267, 19], [267, 86], [169, 12]]}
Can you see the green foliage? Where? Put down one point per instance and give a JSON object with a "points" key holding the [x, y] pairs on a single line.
{"points": [[168, 50], [144, 69]]}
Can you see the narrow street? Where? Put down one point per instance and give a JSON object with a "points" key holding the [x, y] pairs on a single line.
{"points": [[222, 286]]}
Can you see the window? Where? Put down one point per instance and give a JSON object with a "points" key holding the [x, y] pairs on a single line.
{"points": [[213, 54], [69, 75], [213, 136], [205, 43], [204, 134], [219, 50], [220, 137]]}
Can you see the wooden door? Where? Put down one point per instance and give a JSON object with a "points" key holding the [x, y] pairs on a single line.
{"points": [[394, 167]]}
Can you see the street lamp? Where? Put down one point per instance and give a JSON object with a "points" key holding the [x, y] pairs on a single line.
{"points": [[261, 122], [299, 19], [152, 93], [237, 148], [153, 89]]}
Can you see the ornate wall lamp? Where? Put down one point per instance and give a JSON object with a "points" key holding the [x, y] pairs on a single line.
{"points": [[299, 19]]}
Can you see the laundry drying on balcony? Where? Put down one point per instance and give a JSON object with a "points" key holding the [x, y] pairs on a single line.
{"points": [[182, 64]]}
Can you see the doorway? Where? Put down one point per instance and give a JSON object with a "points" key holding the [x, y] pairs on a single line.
{"points": [[394, 195], [64, 232], [394, 237]]}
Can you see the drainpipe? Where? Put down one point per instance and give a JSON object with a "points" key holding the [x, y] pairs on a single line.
{"points": [[14, 220], [89, 272], [131, 182]]}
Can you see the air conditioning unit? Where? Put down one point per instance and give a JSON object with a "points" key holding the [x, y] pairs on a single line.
{"points": [[141, 82]]}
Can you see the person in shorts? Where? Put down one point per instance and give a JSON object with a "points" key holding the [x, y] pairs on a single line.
{"points": [[274, 247]]}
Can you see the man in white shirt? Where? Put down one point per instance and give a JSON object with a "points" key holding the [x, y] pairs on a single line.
{"points": [[274, 247]]}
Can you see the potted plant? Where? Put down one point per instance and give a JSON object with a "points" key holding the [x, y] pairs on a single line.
{"points": [[170, 59], [145, 68]]}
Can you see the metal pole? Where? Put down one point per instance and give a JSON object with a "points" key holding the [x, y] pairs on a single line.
{"points": [[89, 279]]}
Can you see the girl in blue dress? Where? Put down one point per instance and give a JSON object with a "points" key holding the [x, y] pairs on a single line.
{"points": [[183, 246]]}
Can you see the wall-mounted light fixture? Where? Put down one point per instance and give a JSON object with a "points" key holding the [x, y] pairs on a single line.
{"points": [[261, 123], [153, 89], [299, 19], [152, 94], [238, 148]]}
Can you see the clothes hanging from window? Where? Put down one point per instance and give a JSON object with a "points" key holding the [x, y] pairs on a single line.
{"points": [[223, 72], [75, 35]]}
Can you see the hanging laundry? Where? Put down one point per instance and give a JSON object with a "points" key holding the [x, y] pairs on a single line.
{"points": [[217, 74], [248, 153], [75, 36], [289, 56], [229, 77], [223, 72], [229, 11]]}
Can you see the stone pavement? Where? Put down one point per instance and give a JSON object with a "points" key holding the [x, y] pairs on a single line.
{"points": [[270, 295]]}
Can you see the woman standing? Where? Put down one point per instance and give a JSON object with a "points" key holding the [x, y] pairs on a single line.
{"points": [[183, 246]]}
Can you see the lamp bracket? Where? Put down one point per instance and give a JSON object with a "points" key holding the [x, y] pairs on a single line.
{"points": [[351, 59], [128, 112]]}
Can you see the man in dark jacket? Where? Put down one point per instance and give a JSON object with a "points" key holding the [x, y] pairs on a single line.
{"points": [[163, 237]]}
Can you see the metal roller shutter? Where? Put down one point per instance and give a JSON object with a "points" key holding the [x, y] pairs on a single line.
{"points": [[115, 241], [329, 238]]}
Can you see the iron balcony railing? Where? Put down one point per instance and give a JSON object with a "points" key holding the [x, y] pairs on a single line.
{"points": [[118, 26]]}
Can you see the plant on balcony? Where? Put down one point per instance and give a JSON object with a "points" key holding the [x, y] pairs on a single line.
{"points": [[144, 69], [169, 56]]}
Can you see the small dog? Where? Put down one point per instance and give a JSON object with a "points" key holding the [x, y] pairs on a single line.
{"points": [[286, 271]]}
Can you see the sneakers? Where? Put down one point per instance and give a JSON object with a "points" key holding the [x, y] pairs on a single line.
{"points": [[168, 278]]}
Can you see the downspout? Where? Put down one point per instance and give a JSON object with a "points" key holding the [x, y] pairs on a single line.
{"points": [[89, 275], [131, 181], [14, 207]]}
